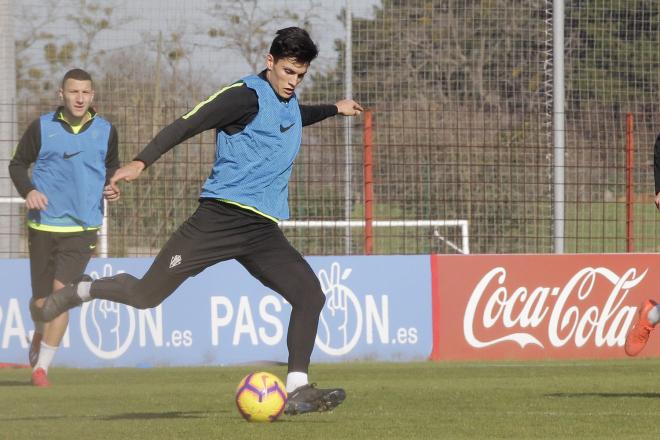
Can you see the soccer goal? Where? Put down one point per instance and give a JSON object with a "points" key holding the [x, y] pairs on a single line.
{"points": [[103, 232], [453, 233]]}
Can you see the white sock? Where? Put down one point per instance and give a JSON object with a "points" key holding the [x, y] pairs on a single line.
{"points": [[294, 380], [83, 290], [46, 355], [654, 315]]}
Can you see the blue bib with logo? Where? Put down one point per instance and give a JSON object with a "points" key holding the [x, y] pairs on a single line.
{"points": [[253, 167], [70, 171]]}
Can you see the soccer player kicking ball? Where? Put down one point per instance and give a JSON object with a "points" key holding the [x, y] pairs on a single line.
{"points": [[259, 123], [649, 311]]}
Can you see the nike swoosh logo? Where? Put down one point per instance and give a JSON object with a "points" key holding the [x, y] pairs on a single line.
{"points": [[69, 156], [283, 128], [52, 135]]}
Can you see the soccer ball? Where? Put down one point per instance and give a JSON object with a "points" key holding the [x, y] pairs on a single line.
{"points": [[260, 397]]}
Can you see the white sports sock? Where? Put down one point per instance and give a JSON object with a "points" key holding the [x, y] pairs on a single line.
{"points": [[46, 355], [654, 315], [294, 380], [83, 290]]}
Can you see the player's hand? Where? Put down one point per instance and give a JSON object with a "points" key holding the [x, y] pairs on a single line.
{"points": [[657, 201], [348, 107], [36, 200], [111, 194], [128, 172]]}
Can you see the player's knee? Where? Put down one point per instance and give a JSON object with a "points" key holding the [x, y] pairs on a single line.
{"points": [[305, 295], [318, 301], [313, 295]]}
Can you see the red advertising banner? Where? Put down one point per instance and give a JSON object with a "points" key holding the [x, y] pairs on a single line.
{"points": [[539, 306]]}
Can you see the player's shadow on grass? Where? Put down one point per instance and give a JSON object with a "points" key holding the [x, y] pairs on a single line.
{"points": [[14, 383], [39, 417], [156, 415], [616, 395], [126, 416]]}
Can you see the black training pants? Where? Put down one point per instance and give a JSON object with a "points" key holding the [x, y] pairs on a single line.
{"points": [[217, 232]]}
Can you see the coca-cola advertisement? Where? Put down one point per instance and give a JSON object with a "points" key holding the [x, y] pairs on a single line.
{"points": [[540, 306]]}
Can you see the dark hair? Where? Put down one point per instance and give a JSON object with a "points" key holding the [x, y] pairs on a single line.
{"points": [[77, 74], [294, 42]]}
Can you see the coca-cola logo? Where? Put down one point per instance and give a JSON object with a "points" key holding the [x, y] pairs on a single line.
{"points": [[590, 306]]}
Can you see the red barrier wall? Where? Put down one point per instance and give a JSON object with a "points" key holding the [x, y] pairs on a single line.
{"points": [[539, 306]]}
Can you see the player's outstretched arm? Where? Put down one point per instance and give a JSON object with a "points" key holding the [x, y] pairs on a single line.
{"points": [[127, 173], [348, 107]]}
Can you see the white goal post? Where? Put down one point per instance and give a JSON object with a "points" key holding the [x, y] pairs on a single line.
{"points": [[103, 232], [463, 247]]}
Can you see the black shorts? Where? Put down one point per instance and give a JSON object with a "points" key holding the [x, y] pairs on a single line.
{"points": [[61, 256], [218, 232]]}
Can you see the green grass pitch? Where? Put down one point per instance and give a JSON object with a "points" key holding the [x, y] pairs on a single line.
{"points": [[424, 400]]}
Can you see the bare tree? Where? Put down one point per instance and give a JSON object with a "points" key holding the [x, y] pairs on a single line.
{"points": [[32, 71], [247, 27], [41, 52], [91, 18]]}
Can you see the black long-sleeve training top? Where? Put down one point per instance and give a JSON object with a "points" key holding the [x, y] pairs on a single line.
{"points": [[29, 147], [229, 110]]}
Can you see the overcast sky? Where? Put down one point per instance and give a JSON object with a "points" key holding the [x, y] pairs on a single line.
{"points": [[192, 19]]}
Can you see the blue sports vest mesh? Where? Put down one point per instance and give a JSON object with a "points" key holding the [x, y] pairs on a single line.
{"points": [[70, 170], [252, 167]]}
